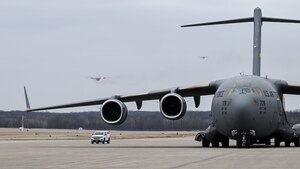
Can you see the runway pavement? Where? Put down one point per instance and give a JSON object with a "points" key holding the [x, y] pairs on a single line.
{"points": [[141, 153]]}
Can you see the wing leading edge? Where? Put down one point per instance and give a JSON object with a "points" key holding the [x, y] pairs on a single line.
{"points": [[288, 87], [186, 91]]}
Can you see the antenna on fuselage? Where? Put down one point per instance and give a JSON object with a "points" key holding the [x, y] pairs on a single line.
{"points": [[257, 19]]}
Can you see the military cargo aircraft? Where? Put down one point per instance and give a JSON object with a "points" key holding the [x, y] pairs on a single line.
{"points": [[203, 57], [246, 108], [98, 78]]}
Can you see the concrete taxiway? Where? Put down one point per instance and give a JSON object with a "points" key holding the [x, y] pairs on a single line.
{"points": [[141, 153]]}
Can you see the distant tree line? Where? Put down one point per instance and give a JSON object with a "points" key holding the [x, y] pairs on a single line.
{"points": [[136, 120]]}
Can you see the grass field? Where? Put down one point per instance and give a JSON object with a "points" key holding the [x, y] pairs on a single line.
{"points": [[68, 134]]}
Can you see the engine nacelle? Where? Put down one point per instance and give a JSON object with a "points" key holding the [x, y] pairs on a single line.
{"points": [[114, 112], [173, 106]]}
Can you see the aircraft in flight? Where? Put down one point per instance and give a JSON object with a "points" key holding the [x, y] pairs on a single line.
{"points": [[98, 78], [203, 57], [246, 108]]}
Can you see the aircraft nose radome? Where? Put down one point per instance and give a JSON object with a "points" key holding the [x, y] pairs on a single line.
{"points": [[243, 110]]}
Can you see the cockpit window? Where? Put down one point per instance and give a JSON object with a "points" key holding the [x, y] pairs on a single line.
{"points": [[242, 90], [258, 91]]}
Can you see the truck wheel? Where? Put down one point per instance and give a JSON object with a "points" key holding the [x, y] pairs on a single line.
{"points": [[97, 142], [108, 141], [92, 142], [103, 142]]}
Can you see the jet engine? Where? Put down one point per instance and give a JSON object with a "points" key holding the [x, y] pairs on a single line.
{"points": [[114, 112], [173, 106]]}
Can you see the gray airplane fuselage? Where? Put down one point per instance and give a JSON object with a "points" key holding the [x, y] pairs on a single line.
{"points": [[247, 103]]}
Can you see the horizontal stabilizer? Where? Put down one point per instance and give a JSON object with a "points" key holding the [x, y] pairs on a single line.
{"points": [[265, 19], [241, 20]]}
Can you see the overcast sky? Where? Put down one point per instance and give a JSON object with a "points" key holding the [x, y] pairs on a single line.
{"points": [[53, 46]]}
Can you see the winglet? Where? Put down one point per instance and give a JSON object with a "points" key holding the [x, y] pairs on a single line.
{"points": [[26, 99]]}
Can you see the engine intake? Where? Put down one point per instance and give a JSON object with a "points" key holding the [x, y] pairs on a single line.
{"points": [[114, 112], [173, 106]]}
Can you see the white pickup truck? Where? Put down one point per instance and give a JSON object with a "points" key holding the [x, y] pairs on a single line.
{"points": [[100, 136]]}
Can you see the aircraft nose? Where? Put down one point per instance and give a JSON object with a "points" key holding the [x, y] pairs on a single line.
{"points": [[243, 109]]}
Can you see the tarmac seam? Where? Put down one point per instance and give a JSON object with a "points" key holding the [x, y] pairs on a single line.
{"points": [[201, 160]]}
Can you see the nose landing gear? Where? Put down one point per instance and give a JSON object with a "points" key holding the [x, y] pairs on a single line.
{"points": [[243, 138]]}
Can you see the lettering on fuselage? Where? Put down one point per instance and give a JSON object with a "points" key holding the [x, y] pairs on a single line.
{"points": [[262, 107], [270, 94], [225, 106]]}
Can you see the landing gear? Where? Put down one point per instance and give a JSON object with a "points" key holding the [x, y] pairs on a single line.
{"points": [[277, 142], [205, 142], [225, 142], [296, 142], [247, 141], [239, 141], [243, 138], [287, 144], [215, 143]]}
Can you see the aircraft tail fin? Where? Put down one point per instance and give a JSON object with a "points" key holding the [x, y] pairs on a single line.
{"points": [[26, 99], [257, 19]]}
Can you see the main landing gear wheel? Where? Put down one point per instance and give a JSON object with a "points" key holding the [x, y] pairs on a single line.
{"points": [[287, 144], [205, 142], [239, 141], [225, 142], [247, 141], [277, 142], [215, 143], [296, 142]]}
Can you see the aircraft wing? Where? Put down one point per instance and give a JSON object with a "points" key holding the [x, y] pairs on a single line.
{"points": [[291, 88], [186, 91]]}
